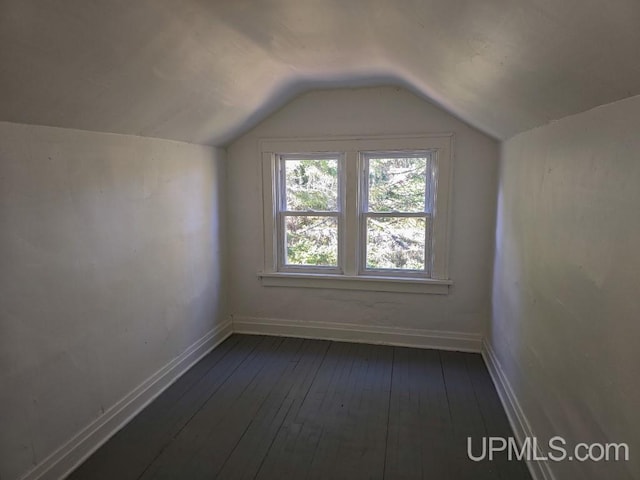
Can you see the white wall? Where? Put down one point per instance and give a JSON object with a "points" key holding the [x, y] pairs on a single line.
{"points": [[380, 110], [566, 303], [110, 267]]}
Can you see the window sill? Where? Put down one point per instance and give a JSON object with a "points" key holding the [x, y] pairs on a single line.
{"points": [[368, 283]]}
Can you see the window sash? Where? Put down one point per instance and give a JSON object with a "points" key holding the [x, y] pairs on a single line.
{"points": [[282, 176], [282, 213], [395, 272], [282, 245], [364, 213], [366, 156]]}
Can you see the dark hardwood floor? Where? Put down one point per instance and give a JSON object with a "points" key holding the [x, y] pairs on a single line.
{"points": [[272, 408]]}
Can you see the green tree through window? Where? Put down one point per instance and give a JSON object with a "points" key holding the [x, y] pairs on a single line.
{"points": [[396, 185], [311, 188]]}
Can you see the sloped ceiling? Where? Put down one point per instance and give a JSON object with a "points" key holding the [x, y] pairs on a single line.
{"points": [[205, 71]]}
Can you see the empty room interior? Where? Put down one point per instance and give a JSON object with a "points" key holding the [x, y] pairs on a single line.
{"points": [[320, 239]]}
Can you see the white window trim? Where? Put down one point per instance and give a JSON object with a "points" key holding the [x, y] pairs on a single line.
{"points": [[350, 278]]}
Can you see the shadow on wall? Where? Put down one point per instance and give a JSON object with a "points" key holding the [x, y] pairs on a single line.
{"points": [[287, 90]]}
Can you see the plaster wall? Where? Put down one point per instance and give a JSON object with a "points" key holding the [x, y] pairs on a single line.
{"points": [[567, 270], [111, 265]]}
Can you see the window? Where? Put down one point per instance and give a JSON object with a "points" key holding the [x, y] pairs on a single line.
{"points": [[366, 213], [395, 212], [309, 212]]}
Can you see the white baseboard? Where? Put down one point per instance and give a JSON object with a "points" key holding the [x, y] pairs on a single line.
{"points": [[463, 342], [540, 470], [64, 460]]}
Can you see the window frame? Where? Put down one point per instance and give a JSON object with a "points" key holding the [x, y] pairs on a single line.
{"points": [[350, 274]]}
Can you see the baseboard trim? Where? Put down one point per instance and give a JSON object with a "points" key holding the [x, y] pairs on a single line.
{"points": [[405, 337], [540, 470], [68, 457]]}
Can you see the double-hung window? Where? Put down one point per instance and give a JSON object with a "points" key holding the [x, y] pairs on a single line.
{"points": [[309, 212], [395, 213], [365, 213]]}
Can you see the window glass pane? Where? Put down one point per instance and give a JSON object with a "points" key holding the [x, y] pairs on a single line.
{"points": [[397, 184], [311, 184], [311, 240], [396, 242]]}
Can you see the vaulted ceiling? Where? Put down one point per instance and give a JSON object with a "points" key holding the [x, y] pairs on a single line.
{"points": [[204, 71]]}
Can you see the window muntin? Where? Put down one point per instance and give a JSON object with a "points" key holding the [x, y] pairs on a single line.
{"points": [[396, 212], [309, 212]]}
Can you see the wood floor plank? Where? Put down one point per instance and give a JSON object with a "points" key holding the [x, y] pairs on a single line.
{"points": [[374, 399], [324, 457], [435, 415], [293, 449], [248, 455], [466, 419], [272, 407], [189, 455], [144, 438], [354, 425], [495, 418], [247, 409], [420, 425]]}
